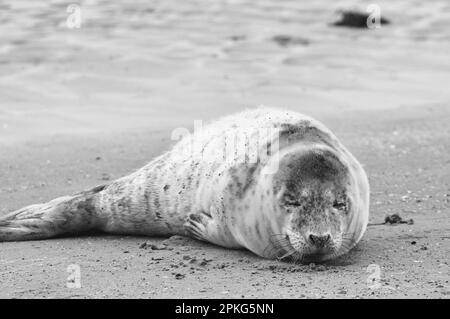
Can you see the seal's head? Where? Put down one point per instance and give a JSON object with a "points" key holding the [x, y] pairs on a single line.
{"points": [[314, 195]]}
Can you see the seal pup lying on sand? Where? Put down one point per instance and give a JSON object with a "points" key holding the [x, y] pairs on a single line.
{"points": [[291, 191]]}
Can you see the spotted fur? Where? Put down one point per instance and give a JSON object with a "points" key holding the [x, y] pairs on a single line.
{"points": [[194, 189]]}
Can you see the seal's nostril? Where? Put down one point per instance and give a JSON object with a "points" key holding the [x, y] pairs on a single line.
{"points": [[313, 239]]}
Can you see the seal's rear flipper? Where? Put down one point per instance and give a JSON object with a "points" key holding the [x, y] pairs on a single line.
{"points": [[64, 215]]}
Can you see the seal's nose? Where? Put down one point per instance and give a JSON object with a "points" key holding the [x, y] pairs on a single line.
{"points": [[320, 241]]}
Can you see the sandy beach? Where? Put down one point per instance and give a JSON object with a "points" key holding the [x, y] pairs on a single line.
{"points": [[83, 106]]}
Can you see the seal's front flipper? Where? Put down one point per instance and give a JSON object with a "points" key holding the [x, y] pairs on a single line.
{"points": [[197, 226], [204, 226]]}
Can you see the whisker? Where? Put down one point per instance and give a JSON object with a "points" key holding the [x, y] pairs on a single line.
{"points": [[348, 235], [287, 255], [280, 246], [275, 234]]}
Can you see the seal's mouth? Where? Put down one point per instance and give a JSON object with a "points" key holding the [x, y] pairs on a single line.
{"points": [[301, 257], [291, 246], [318, 257], [311, 248]]}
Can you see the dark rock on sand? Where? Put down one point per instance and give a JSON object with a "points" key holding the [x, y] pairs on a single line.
{"points": [[354, 19], [396, 219], [287, 40]]}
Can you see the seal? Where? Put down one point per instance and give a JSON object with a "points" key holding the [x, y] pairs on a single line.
{"points": [[275, 182]]}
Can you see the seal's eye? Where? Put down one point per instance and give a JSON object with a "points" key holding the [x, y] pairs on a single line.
{"points": [[291, 200], [340, 205]]}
